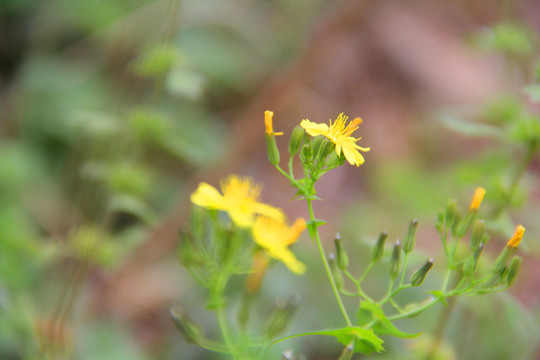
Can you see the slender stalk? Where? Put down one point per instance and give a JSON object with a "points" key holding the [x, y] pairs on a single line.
{"points": [[327, 267]]}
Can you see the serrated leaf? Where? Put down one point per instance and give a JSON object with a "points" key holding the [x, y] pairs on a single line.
{"points": [[365, 341], [471, 129], [370, 312]]}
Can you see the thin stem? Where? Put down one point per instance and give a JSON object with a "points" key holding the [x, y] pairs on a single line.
{"points": [[368, 269], [327, 267], [418, 310], [224, 328]]}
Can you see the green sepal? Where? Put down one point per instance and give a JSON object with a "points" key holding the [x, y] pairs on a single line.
{"points": [[370, 312], [365, 341]]}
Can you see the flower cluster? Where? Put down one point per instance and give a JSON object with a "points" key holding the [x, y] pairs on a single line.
{"points": [[239, 199]]}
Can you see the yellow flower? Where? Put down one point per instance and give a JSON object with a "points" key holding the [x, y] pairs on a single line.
{"points": [[275, 236], [477, 198], [340, 135], [268, 117], [516, 238], [239, 200]]}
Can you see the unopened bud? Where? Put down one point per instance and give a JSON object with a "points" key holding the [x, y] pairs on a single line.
{"points": [[410, 238], [418, 277], [342, 257], [395, 261], [296, 140], [316, 143], [513, 270], [477, 233], [325, 149], [338, 277], [189, 330], [451, 213], [502, 260], [334, 161], [272, 149], [281, 315], [470, 266], [378, 249], [306, 154], [493, 281]]}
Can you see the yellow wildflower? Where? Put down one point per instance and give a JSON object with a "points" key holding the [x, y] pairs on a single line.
{"points": [[275, 236], [516, 238], [268, 117], [340, 135], [239, 200], [477, 198]]}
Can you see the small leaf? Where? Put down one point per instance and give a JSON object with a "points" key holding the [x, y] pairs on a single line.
{"points": [[469, 128], [371, 312], [365, 341]]}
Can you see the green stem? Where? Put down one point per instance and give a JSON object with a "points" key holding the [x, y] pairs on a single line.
{"points": [[326, 266], [224, 328], [368, 269]]}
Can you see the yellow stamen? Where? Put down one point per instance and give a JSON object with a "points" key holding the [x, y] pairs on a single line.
{"points": [[516, 238], [477, 198], [268, 117]]}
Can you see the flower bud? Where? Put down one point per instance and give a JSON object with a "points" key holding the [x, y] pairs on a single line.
{"points": [[410, 238], [451, 214], [342, 257], [493, 281], [500, 263], [316, 144], [378, 249], [306, 154], [272, 149], [281, 315], [334, 161], [189, 330], [395, 261], [296, 140], [338, 277], [418, 277], [470, 266], [325, 149], [477, 234], [513, 270]]}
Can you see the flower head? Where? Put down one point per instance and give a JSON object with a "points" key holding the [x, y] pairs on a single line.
{"points": [[516, 238], [340, 135], [239, 200], [477, 198], [275, 236], [268, 117]]}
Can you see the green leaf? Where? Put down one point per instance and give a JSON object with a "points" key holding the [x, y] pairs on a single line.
{"points": [[469, 128], [365, 341], [312, 226], [371, 312]]}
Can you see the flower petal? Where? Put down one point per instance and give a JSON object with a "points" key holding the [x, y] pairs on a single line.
{"points": [[314, 129], [353, 156], [208, 196], [269, 211]]}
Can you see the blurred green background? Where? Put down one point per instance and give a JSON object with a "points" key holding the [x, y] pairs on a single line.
{"points": [[112, 111]]}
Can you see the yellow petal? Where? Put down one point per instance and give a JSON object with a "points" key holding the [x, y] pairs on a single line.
{"points": [[314, 129], [287, 257], [294, 232], [353, 156], [269, 211], [207, 196]]}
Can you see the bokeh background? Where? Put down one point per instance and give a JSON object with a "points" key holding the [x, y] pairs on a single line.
{"points": [[112, 111]]}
